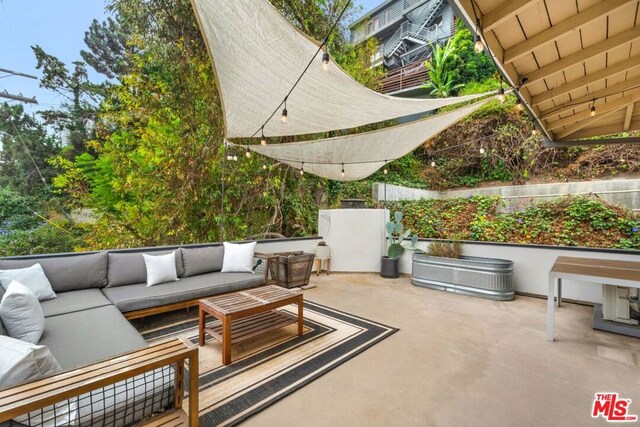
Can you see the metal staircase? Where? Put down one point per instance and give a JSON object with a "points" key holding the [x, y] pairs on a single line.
{"points": [[420, 34]]}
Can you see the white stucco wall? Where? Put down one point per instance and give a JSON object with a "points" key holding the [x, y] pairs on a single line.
{"points": [[355, 236]]}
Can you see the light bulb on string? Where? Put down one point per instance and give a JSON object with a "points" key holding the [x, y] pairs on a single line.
{"points": [[519, 105], [325, 61], [501, 96], [433, 164], [264, 167], [478, 46], [247, 153], [229, 157], [482, 151], [235, 158], [593, 108], [535, 132], [285, 116], [302, 169], [385, 170], [263, 139], [342, 173]]}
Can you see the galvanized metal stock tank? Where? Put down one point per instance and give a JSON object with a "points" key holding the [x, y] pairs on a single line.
{"points": [[481, 277]]}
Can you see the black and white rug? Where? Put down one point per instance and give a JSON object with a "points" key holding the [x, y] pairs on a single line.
{"points": [[275, 364]]}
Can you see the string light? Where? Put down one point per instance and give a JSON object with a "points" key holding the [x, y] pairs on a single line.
{"points": [[247, 153], [481, 149], [284, 116], [478, 47], [519, 105], [263, 140], [501, 96], [229, 157], [535, 132], [385, 170], [342, 170], [235, 158], [325, 61], [264, 167], [593, 108], [302, 169], [433, 164]]}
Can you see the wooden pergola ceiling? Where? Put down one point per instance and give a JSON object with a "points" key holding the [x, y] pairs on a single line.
{"points": [[568, 53]]}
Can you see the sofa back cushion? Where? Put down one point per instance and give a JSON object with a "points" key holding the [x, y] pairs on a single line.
{"points": [[67, 273], [128, 268], [202, 260]]}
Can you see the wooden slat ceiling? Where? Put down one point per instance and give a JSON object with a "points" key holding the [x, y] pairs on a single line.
{"points": [[571, 52]]}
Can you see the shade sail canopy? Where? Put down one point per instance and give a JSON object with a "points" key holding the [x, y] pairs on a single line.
{"points": [[572, 53], [258, 55], [360, 155]]}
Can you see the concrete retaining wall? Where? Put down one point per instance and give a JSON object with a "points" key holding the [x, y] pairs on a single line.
{"points": [[624, 192]]}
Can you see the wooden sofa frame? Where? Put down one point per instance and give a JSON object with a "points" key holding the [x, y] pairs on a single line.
{"points": [[22, 399]]}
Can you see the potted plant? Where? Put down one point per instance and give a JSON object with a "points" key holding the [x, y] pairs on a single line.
{"points": [[395, 234], [443, 267]]}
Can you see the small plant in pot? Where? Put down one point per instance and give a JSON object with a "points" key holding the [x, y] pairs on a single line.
{"points": [[396, 235]]}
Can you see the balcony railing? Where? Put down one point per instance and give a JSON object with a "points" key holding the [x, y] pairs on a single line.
{"points": [[407, 77], [381, 19]]}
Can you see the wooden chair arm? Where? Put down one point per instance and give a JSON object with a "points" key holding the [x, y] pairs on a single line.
{"points": [[24, 398]]}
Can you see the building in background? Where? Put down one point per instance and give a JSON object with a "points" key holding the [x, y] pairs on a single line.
{"points": [[405, 30]]}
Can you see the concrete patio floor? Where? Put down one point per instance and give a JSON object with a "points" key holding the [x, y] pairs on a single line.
{"points": [[461, 361]]}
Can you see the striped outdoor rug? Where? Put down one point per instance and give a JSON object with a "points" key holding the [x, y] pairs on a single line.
{"points": [[275, 364]]}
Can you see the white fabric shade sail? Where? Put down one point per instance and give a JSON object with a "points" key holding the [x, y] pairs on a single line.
{"points": [[258, 55], [360, 155]]}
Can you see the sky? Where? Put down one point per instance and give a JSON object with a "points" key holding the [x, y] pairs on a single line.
{"points": [[58, 26]]}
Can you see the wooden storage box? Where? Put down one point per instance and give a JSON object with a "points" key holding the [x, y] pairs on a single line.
{"points": [[291, 269]]}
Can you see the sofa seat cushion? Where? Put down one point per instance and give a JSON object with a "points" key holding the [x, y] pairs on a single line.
{"points": [[67, 272], [88, 336], [140, 296], [69, 302]]}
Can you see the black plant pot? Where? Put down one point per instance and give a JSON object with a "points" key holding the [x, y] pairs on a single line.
{"points": [[389, 267]]}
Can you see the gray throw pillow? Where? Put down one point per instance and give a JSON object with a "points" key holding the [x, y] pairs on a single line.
{"points": [[202, 260]]}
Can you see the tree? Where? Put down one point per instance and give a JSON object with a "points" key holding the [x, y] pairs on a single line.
{"points": [[468, 66], [440, 80], [26, 149], [77, 115], [107, 43]]}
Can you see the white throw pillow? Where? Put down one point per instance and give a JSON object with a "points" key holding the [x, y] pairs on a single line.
{"points": [[238, 257], [160, 268], [32, 277], [22, 362], [21, 313]]}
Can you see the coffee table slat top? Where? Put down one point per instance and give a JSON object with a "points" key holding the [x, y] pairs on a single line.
{"points": [[246, 300]]}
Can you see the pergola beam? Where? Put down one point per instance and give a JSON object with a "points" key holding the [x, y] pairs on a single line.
{"points": [[611, 71], [583, 55], [601, 110], [506, 10], [584, 118], [602, 93], [604, 130], [627, 117], [558, 30]]}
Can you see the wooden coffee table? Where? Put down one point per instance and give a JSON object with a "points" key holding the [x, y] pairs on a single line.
{"points": [[246, 314]]}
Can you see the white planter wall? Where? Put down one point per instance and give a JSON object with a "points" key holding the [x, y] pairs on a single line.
{"points": [[357, 240]]}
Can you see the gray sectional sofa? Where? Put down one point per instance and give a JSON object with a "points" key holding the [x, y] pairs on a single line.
{"points": [[95, 290]]}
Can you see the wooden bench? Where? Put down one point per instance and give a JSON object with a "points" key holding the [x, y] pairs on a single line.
{"points": [[25, 398], [611, 272]]}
